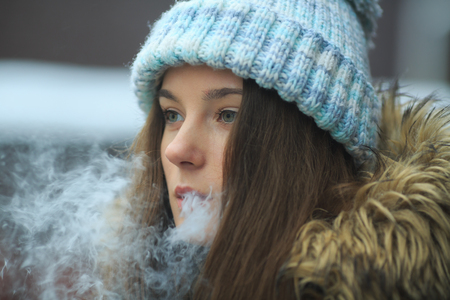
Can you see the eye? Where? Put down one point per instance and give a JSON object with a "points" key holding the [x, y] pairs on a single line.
{"points": [[172, 116], [227, 116]]}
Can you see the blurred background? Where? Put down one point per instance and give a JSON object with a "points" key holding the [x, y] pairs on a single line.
{"points": [[64, 64], [66, 104]]}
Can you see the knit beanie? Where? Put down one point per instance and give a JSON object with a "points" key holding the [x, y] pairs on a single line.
{"points": [[312, 52]]}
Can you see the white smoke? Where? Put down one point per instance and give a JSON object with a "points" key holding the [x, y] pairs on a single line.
{"points": [[55, 235], [201, 219]]}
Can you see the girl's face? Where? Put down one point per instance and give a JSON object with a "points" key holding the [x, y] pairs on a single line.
{"points": [[200, 105]]}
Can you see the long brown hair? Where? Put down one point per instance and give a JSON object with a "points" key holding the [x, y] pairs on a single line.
{"points": [[280, 169], [149, 203]]}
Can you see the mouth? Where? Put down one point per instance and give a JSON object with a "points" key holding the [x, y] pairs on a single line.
{"points": [[182, 192]]}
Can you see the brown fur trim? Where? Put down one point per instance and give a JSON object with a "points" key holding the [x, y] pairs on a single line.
{"points": [[395, 242]]}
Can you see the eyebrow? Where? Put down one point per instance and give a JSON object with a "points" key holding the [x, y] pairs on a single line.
{"points": [[208, 94], [220, 93], [167, 94]]}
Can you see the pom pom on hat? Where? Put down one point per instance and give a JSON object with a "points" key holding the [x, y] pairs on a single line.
{"points": [[369, 11]]}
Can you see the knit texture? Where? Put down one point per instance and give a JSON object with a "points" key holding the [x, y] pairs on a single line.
{"points": [[314, 53]]}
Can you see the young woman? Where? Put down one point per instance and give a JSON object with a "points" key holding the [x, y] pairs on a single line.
{"points": [[263, 112]]}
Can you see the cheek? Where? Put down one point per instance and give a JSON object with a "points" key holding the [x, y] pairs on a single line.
{"points": [[165, 162], [217, 156], [165, 141]]}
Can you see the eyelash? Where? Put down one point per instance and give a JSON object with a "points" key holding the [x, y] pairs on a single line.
{"points": [[219, 115], [166, 113]]}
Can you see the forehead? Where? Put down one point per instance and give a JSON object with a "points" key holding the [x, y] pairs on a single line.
{"points": [[200, 77]]}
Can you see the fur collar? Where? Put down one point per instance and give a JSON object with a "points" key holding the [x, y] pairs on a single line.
{"points": [[395, 242]]}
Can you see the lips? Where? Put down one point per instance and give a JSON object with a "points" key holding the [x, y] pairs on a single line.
{"points": [[181, 191]]}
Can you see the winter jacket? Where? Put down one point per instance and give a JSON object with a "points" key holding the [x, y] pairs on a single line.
{"points": [[395, 241]]}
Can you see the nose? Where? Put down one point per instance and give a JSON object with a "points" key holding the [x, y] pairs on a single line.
{"points": [[185, 150]]}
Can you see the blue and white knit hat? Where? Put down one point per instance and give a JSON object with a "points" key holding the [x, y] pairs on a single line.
{"points": [[313, 52]]}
